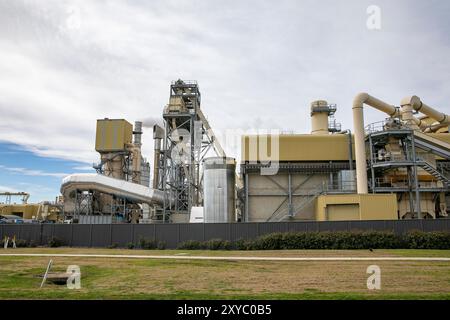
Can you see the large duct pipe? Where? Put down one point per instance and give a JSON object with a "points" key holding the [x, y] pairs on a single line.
{"points": [[137, 133], [418, 122], [158, 135], [417, 105], [136, 162], [135, 149], [107, 185], [435, 126], [358, 125], [113, 165]]}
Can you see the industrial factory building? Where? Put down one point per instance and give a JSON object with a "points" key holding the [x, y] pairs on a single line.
{"points": [[402, 167], [398, 168]]}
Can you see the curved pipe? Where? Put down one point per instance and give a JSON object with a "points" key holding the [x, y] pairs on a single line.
{"points": [[418, 105], [104, 184], [358, 126], [421, 124], [435, 126]]}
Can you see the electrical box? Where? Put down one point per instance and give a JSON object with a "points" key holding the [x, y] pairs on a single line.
{"points": [[113, 135]]}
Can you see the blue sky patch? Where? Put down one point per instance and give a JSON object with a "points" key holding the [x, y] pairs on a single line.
{"points": [[22, 170]]}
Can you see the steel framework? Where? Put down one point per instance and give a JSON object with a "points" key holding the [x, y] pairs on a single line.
{"points": [[188, 139], [411, 159]]}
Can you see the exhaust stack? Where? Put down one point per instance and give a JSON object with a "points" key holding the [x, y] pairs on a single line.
{"points": [[322, 118]]}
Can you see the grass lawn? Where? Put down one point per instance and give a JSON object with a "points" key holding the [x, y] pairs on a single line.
{"points": [[116, 278]]}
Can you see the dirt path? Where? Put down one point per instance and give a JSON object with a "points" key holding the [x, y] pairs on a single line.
{"points": [[186, 257]]}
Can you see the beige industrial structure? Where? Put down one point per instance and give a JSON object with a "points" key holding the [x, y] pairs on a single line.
{"points": [[406, 158], [114, 193], [395, 169], [398, 168], [43, 211]]}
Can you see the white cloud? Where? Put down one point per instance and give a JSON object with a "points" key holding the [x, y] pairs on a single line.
{"points": [[83, 168], [64, 64], [7, 189], [34, 173]]}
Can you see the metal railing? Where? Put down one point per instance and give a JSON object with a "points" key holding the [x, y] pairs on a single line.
{"points": [[334, 126], [387, 124], [340, 186], [389, 156], [189, 82], [386, 182]]}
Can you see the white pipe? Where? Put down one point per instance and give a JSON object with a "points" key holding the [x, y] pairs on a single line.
{"points": [[104, 184], [358, 125]]}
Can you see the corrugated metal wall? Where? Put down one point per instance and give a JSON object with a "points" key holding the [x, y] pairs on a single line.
{"points": [[104, 235]]}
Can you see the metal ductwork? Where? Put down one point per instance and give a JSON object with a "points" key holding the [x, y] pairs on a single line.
{"points": [[158, 135], [358, 124], [137, 133], [416, 104], [116, 187]]}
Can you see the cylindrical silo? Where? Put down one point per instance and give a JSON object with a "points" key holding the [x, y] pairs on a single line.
{"points": [[219, 189]]}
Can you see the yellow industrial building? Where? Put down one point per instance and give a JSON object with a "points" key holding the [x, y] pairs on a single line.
{"points": [[395, 169]]}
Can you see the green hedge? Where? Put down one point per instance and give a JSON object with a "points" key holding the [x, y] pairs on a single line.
{"points": [[329, 240], [297, 240], [149, 244]]}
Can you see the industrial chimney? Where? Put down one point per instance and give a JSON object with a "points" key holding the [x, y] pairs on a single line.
{"points": [[321, 112]]}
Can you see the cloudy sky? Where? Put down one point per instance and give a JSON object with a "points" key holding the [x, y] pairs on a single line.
{"points": [[64, 64]]}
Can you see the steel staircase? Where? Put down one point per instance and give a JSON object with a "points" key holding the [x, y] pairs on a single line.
{"points": [[435, 173], [308, 198], [431, 144]]}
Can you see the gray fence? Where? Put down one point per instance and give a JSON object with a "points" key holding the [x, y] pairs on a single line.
{"points": [[104, 235]]}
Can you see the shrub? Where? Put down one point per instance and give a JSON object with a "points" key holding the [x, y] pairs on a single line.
{"points": [[191, 245], [218, 244], [32, 244], [147, 244], [349, 240], [55, 242], [113, 246], [271, 241], [242, 244], [130, 245], [20, 243], [161, 245], [427, 240]]}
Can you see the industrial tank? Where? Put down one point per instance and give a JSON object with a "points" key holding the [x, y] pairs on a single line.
{"points": [[219, 189]]}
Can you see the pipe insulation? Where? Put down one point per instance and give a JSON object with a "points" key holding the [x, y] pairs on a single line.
{"points": [[104, 184], [358, 126]]}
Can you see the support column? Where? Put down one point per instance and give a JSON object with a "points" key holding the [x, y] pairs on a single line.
{"points": [[290, 209], [416, 178], [246, 196]]}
